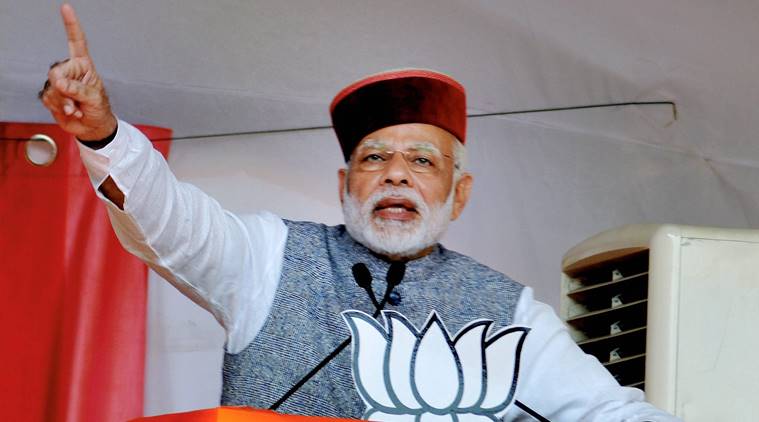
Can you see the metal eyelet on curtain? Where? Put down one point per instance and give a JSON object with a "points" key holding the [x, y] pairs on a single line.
{"points": [[41, 150]]}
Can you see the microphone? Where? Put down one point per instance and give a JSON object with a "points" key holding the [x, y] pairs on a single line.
{"points": [[364, 280], [395, 273], [393, 278], [362, 275]]}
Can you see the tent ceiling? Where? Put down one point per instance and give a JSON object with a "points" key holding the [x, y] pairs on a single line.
{"points": [[205, 67]]}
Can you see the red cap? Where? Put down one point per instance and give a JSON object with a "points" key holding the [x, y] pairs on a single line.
{"points": [[397, 97]]}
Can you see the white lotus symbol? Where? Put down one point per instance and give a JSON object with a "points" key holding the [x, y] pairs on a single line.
{"points": [[404, 374]]}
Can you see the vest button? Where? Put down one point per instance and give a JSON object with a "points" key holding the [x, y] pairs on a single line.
{"points": [[394, 298]]}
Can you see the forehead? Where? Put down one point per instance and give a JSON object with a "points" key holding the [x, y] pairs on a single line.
{"points": [[409, 134]]}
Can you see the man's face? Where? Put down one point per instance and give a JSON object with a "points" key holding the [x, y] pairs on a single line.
{"points": [[399, 192]]}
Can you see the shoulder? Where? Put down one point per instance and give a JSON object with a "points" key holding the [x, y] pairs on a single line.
{"points": [[310, 239]]}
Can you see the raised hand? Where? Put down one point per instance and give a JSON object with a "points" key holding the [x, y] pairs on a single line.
{"points": [[74, 92]]}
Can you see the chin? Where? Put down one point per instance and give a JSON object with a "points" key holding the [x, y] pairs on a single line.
{"points": [[397, 238]]}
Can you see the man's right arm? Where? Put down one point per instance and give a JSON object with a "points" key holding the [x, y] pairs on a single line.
{"points": [[228, 265]]}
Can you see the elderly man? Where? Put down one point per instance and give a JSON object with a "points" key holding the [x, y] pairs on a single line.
{"points": [[293, 295]]}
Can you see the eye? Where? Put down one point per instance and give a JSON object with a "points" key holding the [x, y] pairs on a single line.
{"points": [[423, 161], [373, 158]]}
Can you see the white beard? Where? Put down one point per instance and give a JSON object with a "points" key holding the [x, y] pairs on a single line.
{"points": [[393, 237]]}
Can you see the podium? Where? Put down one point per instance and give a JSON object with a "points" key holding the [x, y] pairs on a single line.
{"points": [[235, 414]]}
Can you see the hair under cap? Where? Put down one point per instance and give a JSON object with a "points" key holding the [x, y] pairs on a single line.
{"points": [[397, 97]]}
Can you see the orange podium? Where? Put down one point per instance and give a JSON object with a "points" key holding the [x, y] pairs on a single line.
{"points": [[236, 414]]}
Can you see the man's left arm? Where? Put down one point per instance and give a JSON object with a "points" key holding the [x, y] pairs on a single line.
{"points": [[562, 383]]}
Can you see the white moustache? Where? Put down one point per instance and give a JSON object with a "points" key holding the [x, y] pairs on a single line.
{"points": [[393, 192]]}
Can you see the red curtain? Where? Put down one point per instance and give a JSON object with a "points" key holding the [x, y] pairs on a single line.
{"points": [[73, 302]]}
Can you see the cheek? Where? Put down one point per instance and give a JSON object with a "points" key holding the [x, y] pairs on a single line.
{"points": [[360, 187], [434, 192]]}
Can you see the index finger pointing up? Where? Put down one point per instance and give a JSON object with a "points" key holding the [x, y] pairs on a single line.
{"points": [[77, 41]]}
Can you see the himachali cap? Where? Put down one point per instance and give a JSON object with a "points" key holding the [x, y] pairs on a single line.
{"points": [[396, 97]]}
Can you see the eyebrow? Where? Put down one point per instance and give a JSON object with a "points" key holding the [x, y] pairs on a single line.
{"points": [[418, 146], [427, 147], [374, 144]]}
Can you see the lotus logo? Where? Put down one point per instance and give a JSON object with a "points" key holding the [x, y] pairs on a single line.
{"points": [[404, 374]]}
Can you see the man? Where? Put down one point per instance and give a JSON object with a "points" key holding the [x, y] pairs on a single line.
{"points": [[456, 340]]}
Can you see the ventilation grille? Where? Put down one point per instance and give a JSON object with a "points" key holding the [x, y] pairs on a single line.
{"points": [[604, 305]]}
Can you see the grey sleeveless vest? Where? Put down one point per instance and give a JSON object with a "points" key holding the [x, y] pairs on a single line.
{"points": [[305, 323]]}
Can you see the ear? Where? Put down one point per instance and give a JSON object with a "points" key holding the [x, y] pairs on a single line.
{"points": [[461, 196], [341, 174]]}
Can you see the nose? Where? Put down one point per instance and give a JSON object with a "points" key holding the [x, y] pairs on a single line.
{"points": [[397, 171]]}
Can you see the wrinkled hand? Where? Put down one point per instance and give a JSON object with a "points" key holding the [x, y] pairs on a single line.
{"points": [[74, 92]]}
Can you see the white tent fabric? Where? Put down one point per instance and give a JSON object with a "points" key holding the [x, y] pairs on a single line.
{"points": [[543, 181]]}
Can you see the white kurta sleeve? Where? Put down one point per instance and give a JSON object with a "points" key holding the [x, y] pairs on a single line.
{"points": [[227, 264], [562, 383]]}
